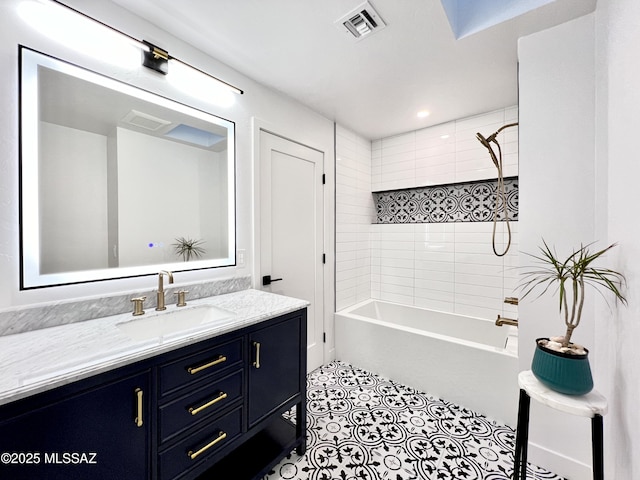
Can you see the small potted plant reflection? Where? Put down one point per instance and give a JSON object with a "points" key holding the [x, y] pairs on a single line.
{"points": [[188, 248], [559, 363]]}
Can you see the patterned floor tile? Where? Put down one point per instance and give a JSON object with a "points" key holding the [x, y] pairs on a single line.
{"points": [[364, 427]]}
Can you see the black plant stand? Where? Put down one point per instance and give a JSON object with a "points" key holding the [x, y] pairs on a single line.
{"points": [[592, 405]]}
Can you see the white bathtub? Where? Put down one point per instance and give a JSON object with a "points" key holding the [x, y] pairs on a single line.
{"points": [[465, 360]]}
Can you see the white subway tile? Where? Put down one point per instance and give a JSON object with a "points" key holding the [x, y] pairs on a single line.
{"points": [[495, 303], [480, 290], [431, 294], [424, 178], [402, 139], [427, 267], [432, 256], [436, 285], [397, 298], [495, 119], [397, 261], [436, 131], [396, 272], [491, 281], [404, 282], [476, 311], [435, 305]]}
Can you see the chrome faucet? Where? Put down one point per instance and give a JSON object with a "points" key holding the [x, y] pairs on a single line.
{"points": [[160, 303], [506, 321]]}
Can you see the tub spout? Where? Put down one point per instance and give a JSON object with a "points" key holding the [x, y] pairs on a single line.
{"points": [[500, 321]]}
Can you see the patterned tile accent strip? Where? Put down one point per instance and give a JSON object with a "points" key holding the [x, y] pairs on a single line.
{"points": [[362, 426], [459, 202]]}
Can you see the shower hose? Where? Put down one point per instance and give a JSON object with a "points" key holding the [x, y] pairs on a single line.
{"points": [[501, 194]]}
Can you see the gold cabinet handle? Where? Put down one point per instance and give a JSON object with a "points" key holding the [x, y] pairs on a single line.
{"points": [[219, 360], [257, 362], [193, 455], [196, 410], [138, 419]]}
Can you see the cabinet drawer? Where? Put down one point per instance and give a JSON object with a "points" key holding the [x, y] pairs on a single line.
{"points": [[200, 365], [200, 446], [190, 409]]}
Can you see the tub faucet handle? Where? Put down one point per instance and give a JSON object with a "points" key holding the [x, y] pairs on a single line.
{"points": [[511, 300], [500, 321]]}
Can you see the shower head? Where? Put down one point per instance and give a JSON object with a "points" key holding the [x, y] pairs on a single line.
{"points": [[483, 140], [492, 138], [487, 144]]}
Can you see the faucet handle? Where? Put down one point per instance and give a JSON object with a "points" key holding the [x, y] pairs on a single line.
{"points": [[181, 298], [138, 305]]}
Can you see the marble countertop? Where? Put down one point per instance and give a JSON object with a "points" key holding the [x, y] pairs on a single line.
{"points": [[40, 360]]}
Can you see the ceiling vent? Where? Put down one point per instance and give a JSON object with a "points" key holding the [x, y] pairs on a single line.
{"points": [[361, 22], [144, 120]]}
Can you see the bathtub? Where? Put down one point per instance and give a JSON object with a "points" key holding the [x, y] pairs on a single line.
{"points": [[465, 360]]}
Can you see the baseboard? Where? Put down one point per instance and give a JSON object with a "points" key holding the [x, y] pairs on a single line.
{"points": [[566, 467]]}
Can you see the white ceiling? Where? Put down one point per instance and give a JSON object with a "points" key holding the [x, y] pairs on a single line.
{"points": [[376, 86]]}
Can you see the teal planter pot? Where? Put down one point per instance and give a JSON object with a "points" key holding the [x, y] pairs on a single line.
{"points": [[562, 372]]}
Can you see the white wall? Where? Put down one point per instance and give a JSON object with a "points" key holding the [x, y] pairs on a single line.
{"points": [[557, 203], [283, 115], [617, 331], [354, 214], [73, 186], [160, 198]]}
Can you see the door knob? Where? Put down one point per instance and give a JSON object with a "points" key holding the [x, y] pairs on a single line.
{"points": [[267, 280]]}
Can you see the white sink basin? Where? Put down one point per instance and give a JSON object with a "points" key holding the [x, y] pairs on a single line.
{"points": [[175, 322]]}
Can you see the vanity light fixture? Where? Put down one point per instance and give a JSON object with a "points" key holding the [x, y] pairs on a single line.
{"points": [[155, 58], [67, 25]]}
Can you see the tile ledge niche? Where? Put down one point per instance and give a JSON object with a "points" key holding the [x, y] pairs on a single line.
{"points": [[35, 317]]}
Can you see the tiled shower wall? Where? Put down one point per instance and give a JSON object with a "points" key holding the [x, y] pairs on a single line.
{"points": [[446, 153], [354, 215], [445, 266]]}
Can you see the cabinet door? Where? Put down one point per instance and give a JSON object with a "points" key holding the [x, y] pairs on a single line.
{"points": [[275, 370], [96, 434]]}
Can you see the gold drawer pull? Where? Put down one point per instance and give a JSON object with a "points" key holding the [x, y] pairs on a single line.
{"points": [[194, 370], [196, 410], [257, 362], [138, 419], [193, 455]]}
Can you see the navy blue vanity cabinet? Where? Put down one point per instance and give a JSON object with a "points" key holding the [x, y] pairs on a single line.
{"points": [[275, 395], [96, 430], [228, 407], [275, 370], [201, 405]]}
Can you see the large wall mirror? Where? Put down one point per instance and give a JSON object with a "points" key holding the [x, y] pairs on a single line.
{"points": [[117, 181]]}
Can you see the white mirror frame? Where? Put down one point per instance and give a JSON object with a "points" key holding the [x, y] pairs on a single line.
{"points": [[30, 275]]}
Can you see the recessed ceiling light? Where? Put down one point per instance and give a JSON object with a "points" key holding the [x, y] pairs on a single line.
{"points": [[423, 114], [444, 137]]}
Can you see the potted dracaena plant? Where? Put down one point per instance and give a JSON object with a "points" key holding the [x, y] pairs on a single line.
{"points": [[559, 363]]}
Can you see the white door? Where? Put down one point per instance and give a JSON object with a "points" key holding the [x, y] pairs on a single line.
{"points": [[291, 230]]}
